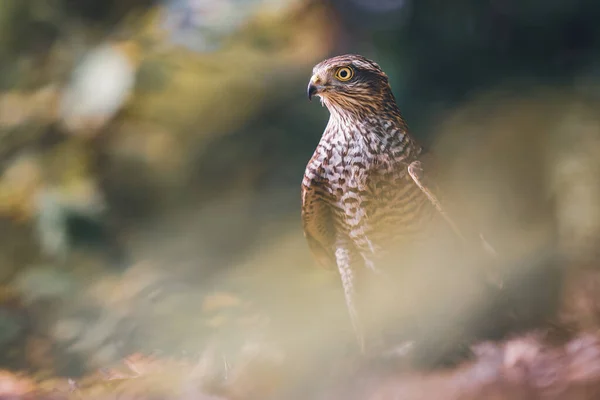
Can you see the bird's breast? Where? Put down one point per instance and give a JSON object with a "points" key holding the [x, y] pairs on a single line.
{"points": [[361, 171], [371, 203]]}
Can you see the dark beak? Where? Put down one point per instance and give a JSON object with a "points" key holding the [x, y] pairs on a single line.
{"points": [[312, 90], [315, 86]]}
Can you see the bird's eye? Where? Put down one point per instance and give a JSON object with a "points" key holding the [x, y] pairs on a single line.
{"points": [[344, 74]]}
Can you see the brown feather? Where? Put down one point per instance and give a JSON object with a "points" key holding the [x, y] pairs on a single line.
{"points": [[359, 200]]}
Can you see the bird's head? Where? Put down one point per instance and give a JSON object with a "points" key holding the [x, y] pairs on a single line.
{"points": [[350, 82]]}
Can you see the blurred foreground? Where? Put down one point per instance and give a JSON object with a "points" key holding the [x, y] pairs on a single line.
{"points": [[151, 243]]}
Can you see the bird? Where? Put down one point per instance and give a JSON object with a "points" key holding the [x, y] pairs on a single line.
{"points": [[366, 187]]}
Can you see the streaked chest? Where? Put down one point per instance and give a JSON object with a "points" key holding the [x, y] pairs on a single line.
{"points": [[356, 161]]}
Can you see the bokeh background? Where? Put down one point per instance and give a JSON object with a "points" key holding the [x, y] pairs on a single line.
{"points": [[151, 154]]}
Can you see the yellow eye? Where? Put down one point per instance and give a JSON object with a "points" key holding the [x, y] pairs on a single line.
{"points": [[344, 74]]}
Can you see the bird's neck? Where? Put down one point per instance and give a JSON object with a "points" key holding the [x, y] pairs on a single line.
{"points": [[379, 129]]}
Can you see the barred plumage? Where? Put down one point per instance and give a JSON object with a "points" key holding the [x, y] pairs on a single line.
{"points": [[358, 197]]}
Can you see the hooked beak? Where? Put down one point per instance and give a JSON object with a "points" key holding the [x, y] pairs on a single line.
{"points": [[314, 87]]}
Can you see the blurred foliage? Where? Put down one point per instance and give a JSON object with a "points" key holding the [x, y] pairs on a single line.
{"points": [[174, 133]]}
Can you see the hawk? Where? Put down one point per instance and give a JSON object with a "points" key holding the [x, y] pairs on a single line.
{"points": [[363, 190]]}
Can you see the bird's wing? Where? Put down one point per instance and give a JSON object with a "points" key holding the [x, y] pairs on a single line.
{"points": [[317, 222], [422, 171]]}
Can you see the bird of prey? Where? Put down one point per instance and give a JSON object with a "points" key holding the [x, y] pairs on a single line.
{"points": [[364, 189]]}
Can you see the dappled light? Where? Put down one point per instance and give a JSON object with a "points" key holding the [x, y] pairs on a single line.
{"points": [[154, 241]]}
